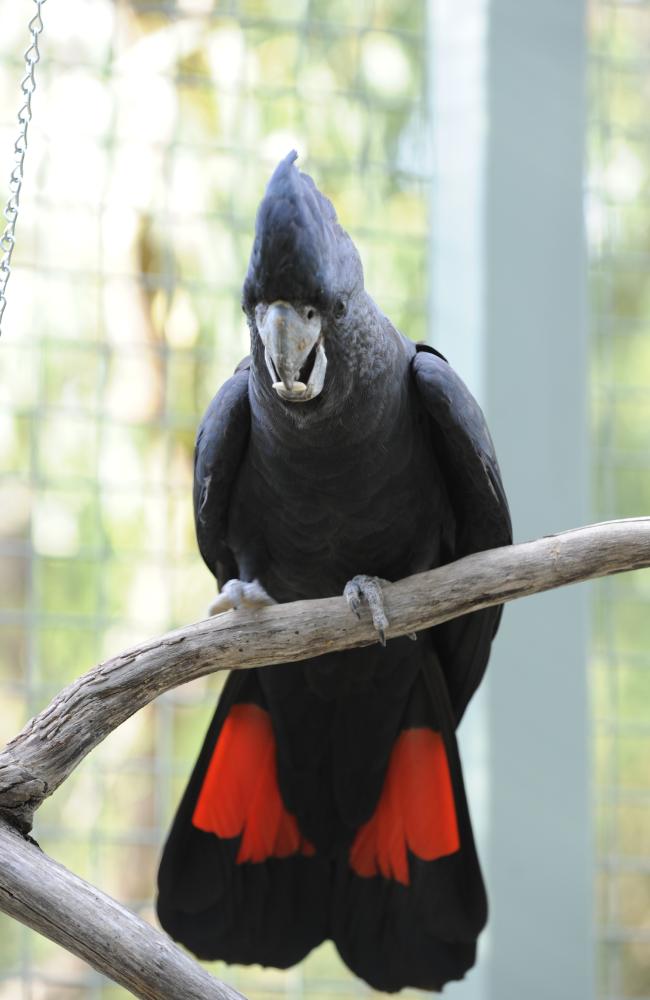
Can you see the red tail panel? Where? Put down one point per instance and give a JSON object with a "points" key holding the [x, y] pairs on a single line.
{"points": [[240, 793], [416, 810]]}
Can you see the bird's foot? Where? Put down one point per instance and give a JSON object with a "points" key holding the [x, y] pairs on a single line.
{"points": [[368, 588], [240, 594]]}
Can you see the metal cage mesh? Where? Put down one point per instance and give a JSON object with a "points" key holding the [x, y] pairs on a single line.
{"points": [[156, 127], [619, 237]]}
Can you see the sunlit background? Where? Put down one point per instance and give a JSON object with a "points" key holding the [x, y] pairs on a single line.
{"points": [[156, 126]]}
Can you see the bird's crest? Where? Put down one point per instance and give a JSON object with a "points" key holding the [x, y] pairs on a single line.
{"points": [[300, 251]]}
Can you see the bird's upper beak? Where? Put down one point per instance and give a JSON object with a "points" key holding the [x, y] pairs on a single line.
{"points": [[293, 349]]}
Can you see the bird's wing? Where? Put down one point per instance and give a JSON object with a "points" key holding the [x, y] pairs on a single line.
{"points": [[220, 446], [465, 453]]}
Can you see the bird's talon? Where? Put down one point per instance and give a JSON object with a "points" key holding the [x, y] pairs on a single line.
{"points": [[413, 636], [355, 605], [368, 588]]}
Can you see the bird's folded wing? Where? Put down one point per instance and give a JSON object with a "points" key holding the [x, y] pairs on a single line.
{"points": [[220, 446], [466, 456]]}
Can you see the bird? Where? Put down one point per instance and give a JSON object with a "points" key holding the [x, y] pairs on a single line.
{"points": [[327, 801]]}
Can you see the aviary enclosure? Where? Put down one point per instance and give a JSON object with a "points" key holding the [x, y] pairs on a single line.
{"points": [[456, 147]]}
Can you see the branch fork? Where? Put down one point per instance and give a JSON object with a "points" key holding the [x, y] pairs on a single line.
{"points": [[42, 894]]}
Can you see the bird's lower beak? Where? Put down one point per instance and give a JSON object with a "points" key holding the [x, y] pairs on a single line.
{"points": [[293, 349]]}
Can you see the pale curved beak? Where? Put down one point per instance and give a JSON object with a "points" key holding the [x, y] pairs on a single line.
{"points": [[293, 350]]}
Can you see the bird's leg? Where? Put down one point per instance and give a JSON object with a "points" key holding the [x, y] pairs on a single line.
{"points": [[240, 594], [368, 588]]}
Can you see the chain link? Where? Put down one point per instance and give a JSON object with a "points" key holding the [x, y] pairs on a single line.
{"points": [[27, 86]]}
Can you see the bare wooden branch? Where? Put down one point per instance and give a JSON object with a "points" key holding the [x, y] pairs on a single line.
{"points": [[42, 894], [36, 761], [47, 897]]}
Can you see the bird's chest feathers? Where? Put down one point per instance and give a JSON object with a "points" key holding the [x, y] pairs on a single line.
{"points": [[351, 498]]}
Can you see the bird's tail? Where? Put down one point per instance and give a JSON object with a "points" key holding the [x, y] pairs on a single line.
{"points": [[409, 901], [403, 900], [237, 879]]}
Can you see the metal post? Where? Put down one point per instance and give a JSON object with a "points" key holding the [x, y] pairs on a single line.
{"points": [[508, 272], [540, 862], [457, 66]]}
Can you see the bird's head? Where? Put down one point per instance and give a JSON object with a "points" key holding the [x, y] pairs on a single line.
{"points": [[303, 283]]}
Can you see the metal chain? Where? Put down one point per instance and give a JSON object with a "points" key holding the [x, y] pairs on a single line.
{"points": [[27, 86]]}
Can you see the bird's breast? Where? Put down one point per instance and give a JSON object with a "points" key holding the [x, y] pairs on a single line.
{"points": [[324, 511]]}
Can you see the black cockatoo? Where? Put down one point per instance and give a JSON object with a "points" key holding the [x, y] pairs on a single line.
{"points": [[328, 799]]}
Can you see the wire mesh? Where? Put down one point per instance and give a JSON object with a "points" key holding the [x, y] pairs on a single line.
{"points": [[619, 217], [157, 127]]}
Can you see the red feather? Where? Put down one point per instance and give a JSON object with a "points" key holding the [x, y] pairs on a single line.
{"points": [[240, 793], [416, 810]]}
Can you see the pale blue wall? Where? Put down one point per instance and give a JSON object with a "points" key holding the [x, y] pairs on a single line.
{"points": [[508, 298]]}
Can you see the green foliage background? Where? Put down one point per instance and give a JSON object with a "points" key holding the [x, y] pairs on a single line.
{"points": [[156, 128], [157, 125], [619, 230]]}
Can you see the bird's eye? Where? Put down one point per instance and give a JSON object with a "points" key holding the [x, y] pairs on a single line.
{"points": [[310, 313], [339, 308]]}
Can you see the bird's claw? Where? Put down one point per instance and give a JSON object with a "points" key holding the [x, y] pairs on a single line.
{"points": [[368, 588], [237, 594]]}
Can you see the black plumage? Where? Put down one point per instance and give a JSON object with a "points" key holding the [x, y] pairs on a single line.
{"points": [[388, 470]]}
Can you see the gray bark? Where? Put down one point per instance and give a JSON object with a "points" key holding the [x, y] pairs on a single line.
{"points": [[47, 897], [42, 894], [35, 762]]}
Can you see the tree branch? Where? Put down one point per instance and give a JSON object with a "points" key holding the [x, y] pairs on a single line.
{"points": [[47, 897], [41, 893], [36, 761]]}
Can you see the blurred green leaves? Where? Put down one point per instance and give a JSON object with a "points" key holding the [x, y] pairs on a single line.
{"points": [[619, 230], [156, 129]]}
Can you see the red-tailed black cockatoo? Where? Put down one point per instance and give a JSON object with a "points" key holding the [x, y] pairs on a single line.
{"points": [[328, 799]]}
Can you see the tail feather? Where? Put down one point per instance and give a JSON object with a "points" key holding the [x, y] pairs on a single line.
{"points": [[409, 901], [401, 896], [382, 937], [237, 880], [415, 812], [240, 796]]}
